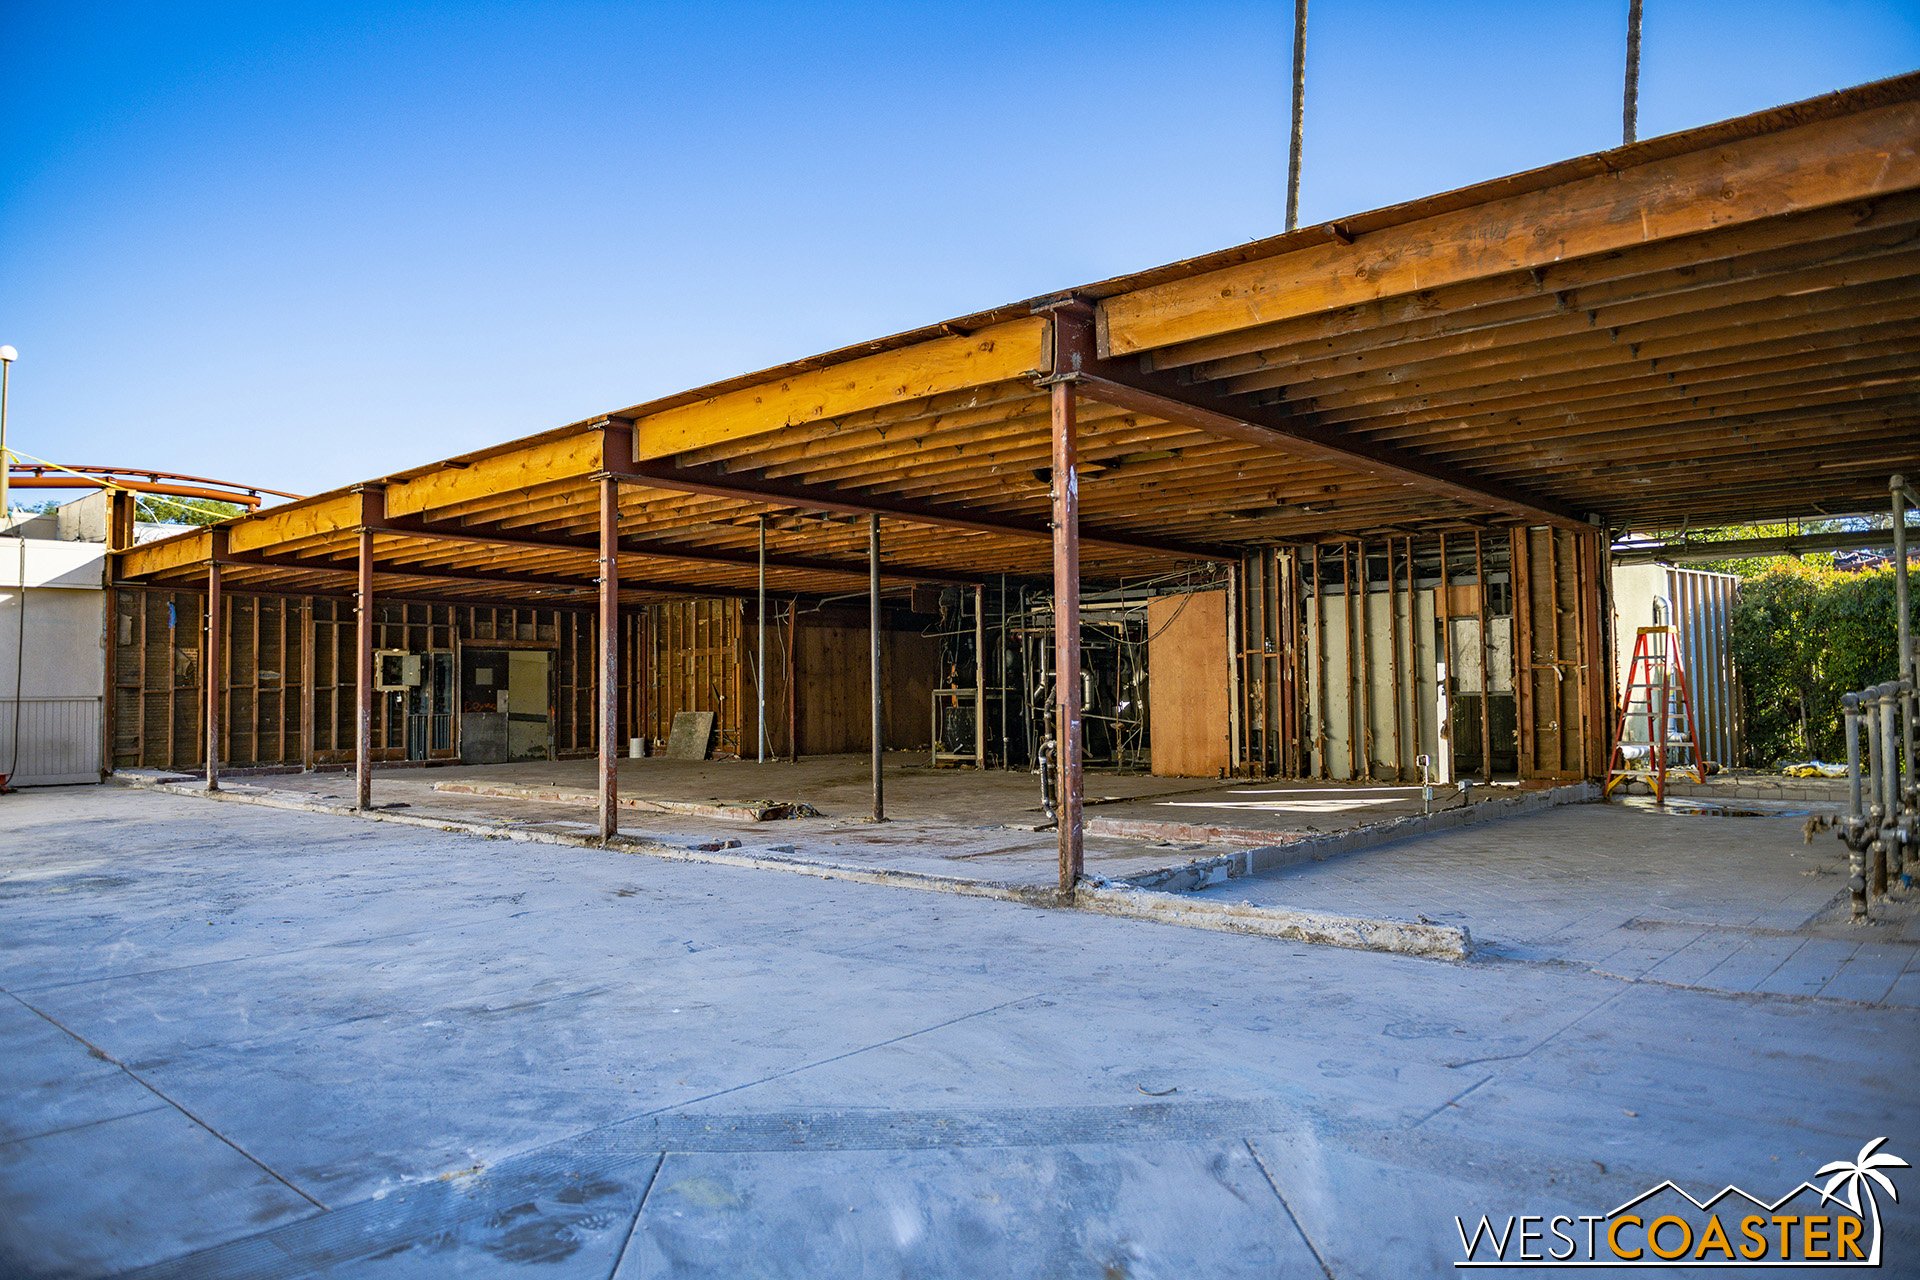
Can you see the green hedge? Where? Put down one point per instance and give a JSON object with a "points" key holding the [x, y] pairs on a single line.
{"points": [[1803, 635]]}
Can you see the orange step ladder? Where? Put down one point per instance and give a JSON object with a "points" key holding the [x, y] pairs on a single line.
{"points": [[1659, 697]]}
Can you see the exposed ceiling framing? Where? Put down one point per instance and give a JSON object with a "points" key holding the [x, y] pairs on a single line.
{"points": [[1704, 328]]}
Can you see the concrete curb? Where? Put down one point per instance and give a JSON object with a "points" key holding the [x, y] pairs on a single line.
{"points": [[1203, 873], [764, 811], [1400, 937]]}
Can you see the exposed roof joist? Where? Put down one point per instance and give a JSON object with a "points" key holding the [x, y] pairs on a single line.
{"points": [[715, 482], [1125, 385], [450, 532]]}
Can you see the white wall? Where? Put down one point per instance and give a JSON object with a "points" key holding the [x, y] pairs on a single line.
{"points": [[1417, 652], [60, 668]]}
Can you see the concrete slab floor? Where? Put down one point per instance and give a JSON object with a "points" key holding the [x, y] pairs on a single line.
{"points": [[965, 824], [237, 1041], [1681, 895]]}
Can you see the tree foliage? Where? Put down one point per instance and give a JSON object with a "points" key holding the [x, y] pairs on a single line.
{"points": [[166, 510], [1803, 634]]}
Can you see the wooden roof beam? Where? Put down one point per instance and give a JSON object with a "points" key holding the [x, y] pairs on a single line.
{"points": [[398, 569], [715, 482], [1853, 157], [450, 532], [1124, 385]]}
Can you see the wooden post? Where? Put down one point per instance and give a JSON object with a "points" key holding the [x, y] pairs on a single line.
{"points": [[609, 685], [1066, 636], [210, 664], [873, 646]]}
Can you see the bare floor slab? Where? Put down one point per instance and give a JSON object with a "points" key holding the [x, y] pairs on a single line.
{"points": [[986, 827], [241, 1041]]}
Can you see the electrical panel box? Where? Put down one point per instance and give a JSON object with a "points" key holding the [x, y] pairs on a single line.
{"points": [[395, 669]]}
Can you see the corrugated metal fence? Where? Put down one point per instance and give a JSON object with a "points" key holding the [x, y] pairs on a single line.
{"points": [[59, 739], [1703, 610]]}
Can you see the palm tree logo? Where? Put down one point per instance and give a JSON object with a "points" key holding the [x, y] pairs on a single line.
{"points": [[1858, 1175]]}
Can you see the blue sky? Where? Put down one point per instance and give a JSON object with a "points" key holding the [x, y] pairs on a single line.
{"points": [[299, 246]]}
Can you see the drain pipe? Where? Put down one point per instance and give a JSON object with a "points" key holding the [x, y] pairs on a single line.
{"points": [[1047, 805], [1853, 833]]}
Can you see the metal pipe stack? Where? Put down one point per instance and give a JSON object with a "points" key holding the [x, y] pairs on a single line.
{"points": [[1882, 827]]}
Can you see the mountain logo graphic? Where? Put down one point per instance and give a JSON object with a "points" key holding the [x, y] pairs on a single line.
{"points": [[1835, 1223]]}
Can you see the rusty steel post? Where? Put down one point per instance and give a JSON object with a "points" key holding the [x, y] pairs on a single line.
{"points": [[980, 676], [363, 677], [873, 635], [609, 680], [210, 670], [1066, 636], [760, 671], [792, 673]]}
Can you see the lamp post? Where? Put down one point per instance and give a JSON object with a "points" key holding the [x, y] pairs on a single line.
{"points": [[7, 356]]}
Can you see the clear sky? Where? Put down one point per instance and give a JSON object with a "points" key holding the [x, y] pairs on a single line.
{"points": [[300, 245]]}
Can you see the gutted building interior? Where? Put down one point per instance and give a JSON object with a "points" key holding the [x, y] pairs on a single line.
{"points": [[1334, 505]]}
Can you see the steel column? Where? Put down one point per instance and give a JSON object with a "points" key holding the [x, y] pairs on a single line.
{"points": [[760, 672], [873, 636], [210, 668], [979, 676], [1066, 635], [608, 686], [363, 677]]}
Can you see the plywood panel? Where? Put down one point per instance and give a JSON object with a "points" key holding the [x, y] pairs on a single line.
{"points": [[1187, 695]]}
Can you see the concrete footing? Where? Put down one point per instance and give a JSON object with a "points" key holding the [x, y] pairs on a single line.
{"points": [[1402, 937]]}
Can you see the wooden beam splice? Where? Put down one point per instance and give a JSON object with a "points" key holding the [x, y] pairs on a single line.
{"points": [[1828, 162], [1116, 382], [714, 482], [1003, 352]]}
